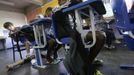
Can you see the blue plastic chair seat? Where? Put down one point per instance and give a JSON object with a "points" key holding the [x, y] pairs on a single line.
{"points": [[65, 40]]}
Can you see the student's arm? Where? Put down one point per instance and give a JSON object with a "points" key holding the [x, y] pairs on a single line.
{"points": [[13, 36]]}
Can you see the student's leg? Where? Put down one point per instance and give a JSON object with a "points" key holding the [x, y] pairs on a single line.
{"points": [[88, 57], [111, 38], [58, 46], [94, 51], [50, 48], [100, 40], [26, 44], [108, 38]]}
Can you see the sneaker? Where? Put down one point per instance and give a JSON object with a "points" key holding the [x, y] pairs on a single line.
{"points": [[111, 47], [98, 62], [117, 41], [56, 61], [28, 55], [98, 73], [105, 46], [49, 60]]}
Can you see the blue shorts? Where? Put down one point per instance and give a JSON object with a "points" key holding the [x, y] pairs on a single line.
{"points": [[22, 39]]}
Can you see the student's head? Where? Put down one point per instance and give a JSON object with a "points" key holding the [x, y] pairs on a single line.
{"points": [[61, 2], [9, 26], [49, 12]]}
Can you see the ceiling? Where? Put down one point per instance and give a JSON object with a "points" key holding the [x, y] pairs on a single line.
{"points": [[21, 4]]}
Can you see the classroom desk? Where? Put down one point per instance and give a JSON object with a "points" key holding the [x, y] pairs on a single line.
{"points": [[2, 43]]}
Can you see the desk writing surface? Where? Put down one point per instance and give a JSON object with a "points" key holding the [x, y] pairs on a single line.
{"points": [[2, 37], [2, 43]]}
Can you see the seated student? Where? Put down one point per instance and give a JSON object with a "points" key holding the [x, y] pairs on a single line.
{"points": [[26, 37], [102, 25], [13, 30], [53, 46], [77, 49]]}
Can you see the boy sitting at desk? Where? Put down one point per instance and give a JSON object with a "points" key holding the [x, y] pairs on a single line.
{"points": [[52, 45], [13, 34], [77, 49], [51, 39], [24, 36]]}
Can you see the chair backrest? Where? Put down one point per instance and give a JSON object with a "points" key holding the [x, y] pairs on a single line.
{"points": [[121, 15], [123, 22], [60, 32]]}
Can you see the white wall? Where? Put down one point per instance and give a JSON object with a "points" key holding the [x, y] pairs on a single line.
{"points": [[18, 19], [109, 11]]}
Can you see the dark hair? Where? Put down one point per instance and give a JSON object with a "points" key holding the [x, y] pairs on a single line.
{"points": [[49, 9], [7, 24]]}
